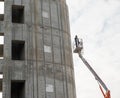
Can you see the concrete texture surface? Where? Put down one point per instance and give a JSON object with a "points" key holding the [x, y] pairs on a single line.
{"points": [[47, 69]]}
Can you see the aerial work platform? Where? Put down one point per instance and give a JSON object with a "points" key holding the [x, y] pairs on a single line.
{"points": [[78, 49]]}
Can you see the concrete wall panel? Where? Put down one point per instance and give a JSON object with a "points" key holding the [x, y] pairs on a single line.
{"points": [[57, 56], [17, 2], [1, 27], [47, 68], [54, 14]]}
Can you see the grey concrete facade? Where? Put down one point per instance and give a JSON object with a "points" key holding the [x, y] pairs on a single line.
{"points": [[47, 68]]}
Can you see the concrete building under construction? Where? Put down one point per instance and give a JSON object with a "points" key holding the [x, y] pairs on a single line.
{"points": [[36, 56]]}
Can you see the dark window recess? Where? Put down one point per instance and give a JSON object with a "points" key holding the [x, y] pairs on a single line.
{"points": [[1, 45], [1, 17], [1, 51], [18, 50], [18, 89], [17, 14]]}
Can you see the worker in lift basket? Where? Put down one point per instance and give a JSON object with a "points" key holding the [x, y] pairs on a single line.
{"points": [[78, 43]]}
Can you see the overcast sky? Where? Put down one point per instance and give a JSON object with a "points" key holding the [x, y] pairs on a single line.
{"points": [[1, 7], [97, 22]]}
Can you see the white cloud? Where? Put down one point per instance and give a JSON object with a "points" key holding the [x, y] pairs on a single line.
{"points": [[98, 23]]}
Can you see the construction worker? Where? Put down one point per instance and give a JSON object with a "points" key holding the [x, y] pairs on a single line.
{"points": [[77, 41]]}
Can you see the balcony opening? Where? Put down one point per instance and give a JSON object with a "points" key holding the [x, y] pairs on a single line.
{"points": [[17, 14], [18, 50], [1, 87], [1, 45], [18, 89], [1, 10]]}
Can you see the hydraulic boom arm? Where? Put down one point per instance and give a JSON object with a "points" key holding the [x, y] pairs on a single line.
{"points": [[107, 94], [79, 47], [93, 72]]}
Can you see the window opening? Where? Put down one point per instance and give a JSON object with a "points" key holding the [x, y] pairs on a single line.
{"points": [[49, 88], [45, 14], [18, 50], [17, 89], [1, 45], [1, 87], [17, 14], [1, 10], [47, 49]]}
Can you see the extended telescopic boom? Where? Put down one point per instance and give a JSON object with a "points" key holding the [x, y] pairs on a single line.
{"points": [[79, 47]]}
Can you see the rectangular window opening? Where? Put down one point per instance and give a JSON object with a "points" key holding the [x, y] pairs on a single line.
{"points": [[1, 87], [17, 89], [1, 45], [1, 10], [18, 50], [17, 14], [47, 49], [45, 14]]}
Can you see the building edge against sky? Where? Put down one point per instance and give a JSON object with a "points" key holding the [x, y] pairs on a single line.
{"points": [[36, 53]]}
